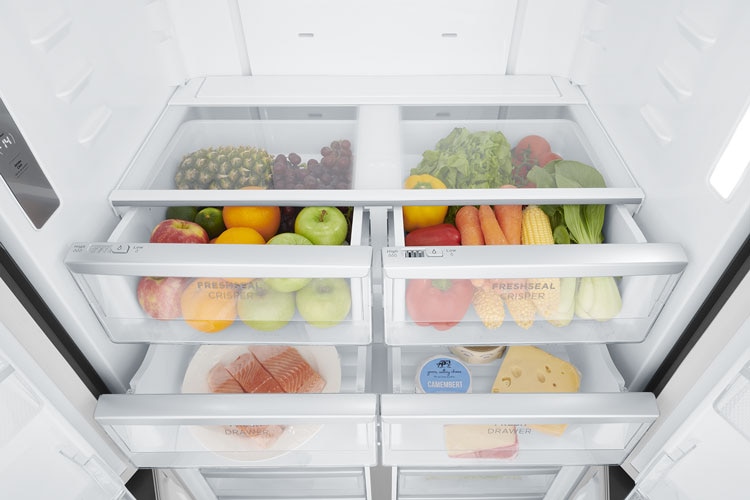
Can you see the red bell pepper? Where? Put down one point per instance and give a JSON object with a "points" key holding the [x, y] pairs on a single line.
{"points": [[438, 235], [440, 303]]}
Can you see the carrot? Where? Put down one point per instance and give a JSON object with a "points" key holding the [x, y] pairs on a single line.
{"points": [[467, 223], [509, 217], [491, 231]]}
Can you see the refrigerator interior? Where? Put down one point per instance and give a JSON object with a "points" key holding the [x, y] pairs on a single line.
{"points": [[110, 97]]}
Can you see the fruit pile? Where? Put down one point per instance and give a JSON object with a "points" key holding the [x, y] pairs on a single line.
{"points": [[332, 171], [226, 167], [230, 167], [213, 304]]}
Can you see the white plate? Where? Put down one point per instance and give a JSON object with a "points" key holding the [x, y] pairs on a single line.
{"points": [[323, 359]]}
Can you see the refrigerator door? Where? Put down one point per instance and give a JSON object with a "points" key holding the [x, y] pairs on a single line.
{"points": [[699, 448], [49, 446]]}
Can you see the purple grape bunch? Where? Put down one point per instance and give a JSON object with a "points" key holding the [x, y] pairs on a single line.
{"points": [[332, 171]]}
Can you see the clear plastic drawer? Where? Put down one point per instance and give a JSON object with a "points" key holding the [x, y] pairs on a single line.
{"points": [[242, 430], [212, 293], [305, 483], [444, 429], [537, 293]]}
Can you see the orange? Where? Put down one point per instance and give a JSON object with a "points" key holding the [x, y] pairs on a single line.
{"points": [[209, 304], [264, 219], [240, 236]]}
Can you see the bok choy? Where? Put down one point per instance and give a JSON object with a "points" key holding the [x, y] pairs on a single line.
{"points": [[597, 297]]}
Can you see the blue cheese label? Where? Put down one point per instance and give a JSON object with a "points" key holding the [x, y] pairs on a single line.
{"points": [[443, 374]]}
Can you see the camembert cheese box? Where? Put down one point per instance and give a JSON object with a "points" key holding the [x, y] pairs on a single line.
{"points": [[527, 369]]}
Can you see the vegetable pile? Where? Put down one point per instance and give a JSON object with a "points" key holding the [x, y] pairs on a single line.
{"points": [[464, 160], [598, 297], [469, 160]]}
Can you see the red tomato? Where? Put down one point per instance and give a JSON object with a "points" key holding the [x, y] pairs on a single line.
{"points": [[531, 148]]}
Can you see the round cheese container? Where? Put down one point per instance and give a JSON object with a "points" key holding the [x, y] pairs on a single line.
{"points": [[478, 354], [443, 374]]}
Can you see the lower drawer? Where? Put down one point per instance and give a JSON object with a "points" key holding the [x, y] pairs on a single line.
{"points": [[171, 419], [453, 430], [505, 483], [307, 483]]}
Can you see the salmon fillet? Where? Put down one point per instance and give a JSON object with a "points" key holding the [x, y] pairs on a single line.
{"points": [[246, 374], [220, 380], [289, 369], [265, 369], [252, 376]]}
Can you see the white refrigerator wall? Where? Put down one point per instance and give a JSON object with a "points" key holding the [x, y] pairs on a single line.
{"points": [[84, 81], [670, 94]]}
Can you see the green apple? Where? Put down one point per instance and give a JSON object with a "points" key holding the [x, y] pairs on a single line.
{"points": [[325, 302], [322, 225], [263, 308], [288, 284]]}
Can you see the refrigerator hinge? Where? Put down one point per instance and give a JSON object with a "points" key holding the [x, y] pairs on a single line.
{"points": [[659, 469], [108, 481]]}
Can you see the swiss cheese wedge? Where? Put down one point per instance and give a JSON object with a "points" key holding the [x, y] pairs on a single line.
{"points": [[530, 369]]}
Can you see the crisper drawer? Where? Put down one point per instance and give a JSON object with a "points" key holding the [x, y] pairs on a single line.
{"points": [[219, 293], [539, 288], [303, 484], [470, 482], [211, 430]]}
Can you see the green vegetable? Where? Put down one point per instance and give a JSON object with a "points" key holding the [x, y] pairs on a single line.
{"points": [[597, 298], [469, 160], [567, 304]]}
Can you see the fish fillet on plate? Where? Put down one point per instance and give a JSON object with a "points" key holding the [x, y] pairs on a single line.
{"points": [[265, 369]]}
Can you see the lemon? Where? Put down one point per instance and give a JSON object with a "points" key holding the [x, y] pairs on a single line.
{"points": [[211, 219]]}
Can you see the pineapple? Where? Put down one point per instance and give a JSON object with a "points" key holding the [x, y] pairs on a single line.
{"points": [[225, 167]]}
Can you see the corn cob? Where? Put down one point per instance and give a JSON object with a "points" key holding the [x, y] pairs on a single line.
{"points": [[489, 307], [545, 292], [521, 309], [535, 227]]}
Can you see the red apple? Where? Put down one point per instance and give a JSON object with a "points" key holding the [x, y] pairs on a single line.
{"points": [[160, 297], [178, 231]]}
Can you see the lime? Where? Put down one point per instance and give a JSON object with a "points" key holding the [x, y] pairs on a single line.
{"points": [[182, 213], [212, 220]]}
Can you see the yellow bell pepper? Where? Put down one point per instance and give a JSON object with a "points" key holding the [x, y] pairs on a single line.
{"points": [[423, 216]]}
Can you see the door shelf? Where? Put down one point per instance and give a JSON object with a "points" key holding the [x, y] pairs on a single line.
{"points": [[109, 274], [644, 274]]}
